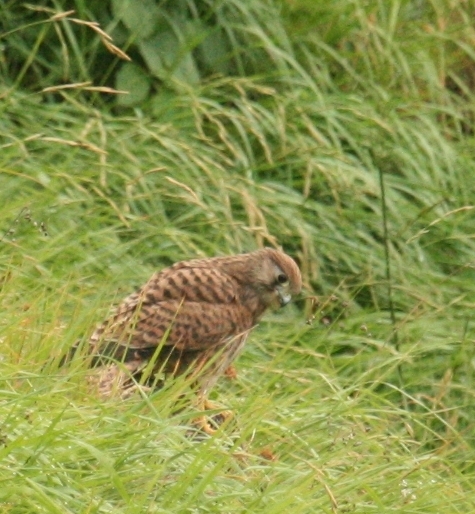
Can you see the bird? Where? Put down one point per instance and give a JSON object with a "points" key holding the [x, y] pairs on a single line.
{"points": [[191, 318]]}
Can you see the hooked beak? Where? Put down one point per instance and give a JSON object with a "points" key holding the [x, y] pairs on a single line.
{"points": [[284, 297]]}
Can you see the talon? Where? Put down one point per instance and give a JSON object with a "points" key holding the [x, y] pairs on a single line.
{"points": [[223, 414], [203, 425], [210, 424], [220, 417]]}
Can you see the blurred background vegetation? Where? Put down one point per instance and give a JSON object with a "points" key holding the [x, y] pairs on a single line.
{"points": [[137, 133]]}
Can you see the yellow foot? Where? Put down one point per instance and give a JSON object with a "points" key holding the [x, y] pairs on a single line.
{"points": [[204, 425], [210, 424]]}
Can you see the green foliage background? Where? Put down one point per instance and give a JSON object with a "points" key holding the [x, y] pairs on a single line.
{"points": [[342, 131]]}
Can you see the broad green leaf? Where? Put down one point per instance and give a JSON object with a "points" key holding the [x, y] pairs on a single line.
{"points": [[168, 59], [140, 17], [133, 79]]}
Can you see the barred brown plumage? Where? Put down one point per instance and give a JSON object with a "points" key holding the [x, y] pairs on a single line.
{"points": [[196, 314]]}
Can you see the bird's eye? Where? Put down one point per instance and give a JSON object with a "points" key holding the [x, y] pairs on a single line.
{"points": [[282, 279]]}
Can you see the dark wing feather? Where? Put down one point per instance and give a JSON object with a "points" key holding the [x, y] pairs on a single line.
{"points": [[193, 284], [188, 308]]}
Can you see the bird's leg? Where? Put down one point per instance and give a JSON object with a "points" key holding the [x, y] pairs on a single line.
{"points": [[210, 424], [220, 418], [201, 422], [223, 414]]}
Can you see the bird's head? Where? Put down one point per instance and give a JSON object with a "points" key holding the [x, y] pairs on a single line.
{"points": [[277, 277]]}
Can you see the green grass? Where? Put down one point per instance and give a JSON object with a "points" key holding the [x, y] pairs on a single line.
{"points": [[370, 407]]}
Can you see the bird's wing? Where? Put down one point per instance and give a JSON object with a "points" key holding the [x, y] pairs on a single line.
{"points": [[184, 306], [191, 283], [186, 326]]}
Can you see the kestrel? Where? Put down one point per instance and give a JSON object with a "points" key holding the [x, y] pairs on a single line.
{"points": [[193, 317]]}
